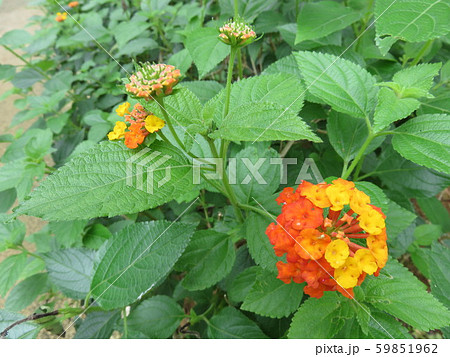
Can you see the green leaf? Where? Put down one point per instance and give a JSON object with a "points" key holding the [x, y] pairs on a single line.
{"points": [[183, 107], [391, 108], [68, 233], [411, 20], [258, 243], [204, 90], [347, 134], [157, 317], [96, 235], [439, 263], [7, 199], [181, 60], [208, 258], [10, 269], [11, 233], [424, 140], [344, 85], [26, 78], [151, 246], [398, 292], [70, 270], [248, 9], [435, 212], [231, 323], [256, 177], [24, 293], [418, 78], [384, 326], [97, 325], [397, 220], [94, 184], [21, 331], [271, 297], [137, 46], [287, 65], [263, 122], [205, 49], [317, 318], [426, 234], [15, 38], [124, 33], [404, 176], [242, 284], [322, 18]]}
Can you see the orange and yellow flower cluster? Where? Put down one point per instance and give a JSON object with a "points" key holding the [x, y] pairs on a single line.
{"points": [[236, 33], [317, 230], [61, 16], [141, 123], [153, 80]]}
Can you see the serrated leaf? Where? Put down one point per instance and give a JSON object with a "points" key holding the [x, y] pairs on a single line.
{"points": [[391, 108], [418, 77], [426, 234], [398, 292], [24, 293], [424, 140], [95, 183], [258, 243], [286, 65], [68, 233], [204, 90], [263, 122], [439, 264], [404, 176], [435, 212], [248, 9], [382, 325], [397, 220], [411, 20], [157, 317], [272, 297], [322, 18], [205, 49], [317, 318], [208, 258], [10, 269], [151, 246], [231, 323], [71, 270], [242, 284], [256, 177], [347, 134], [97, 325], [11, 233], [21, 331], [347, 87]]}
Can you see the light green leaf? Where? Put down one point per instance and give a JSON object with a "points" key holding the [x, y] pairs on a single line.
{"points": [[317, 318], [419, 78], [157, 317], [398, 292], [248, 9], [382, 325], [205, 49], [398, 220], [347, 87], [11, 233], [181, 60], [24, 293], [151, 246], [391, 108], [71, 270], [124, 33], [97, 184], [424, 140], [286, 65], [208, 258], [10, 269], [21, 331], [322, 18], [263, 122], [272, 297], [68, 233], [258, 243], [426, 234], [231, 323], [242, 284], [96, 235], [347, 134], [411, 20], [98, 325], [204, 90]]}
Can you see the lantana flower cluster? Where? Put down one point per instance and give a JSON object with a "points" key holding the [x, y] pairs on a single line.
{"points": [[318, 230], [236, 33], [61, 16], [141, 123], [153, 80]]}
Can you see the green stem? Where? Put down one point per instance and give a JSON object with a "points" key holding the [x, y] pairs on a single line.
{"points": [[229, 78], [169, 123], [422, 52], [359, 155], [236, 8], [125, 324], [239, 64], [358, 169], [28, 63], [256, 209]]}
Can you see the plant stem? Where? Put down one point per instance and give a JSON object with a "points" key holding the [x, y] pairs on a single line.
{"points": [[229, 78], [421, 53], [125, 324], [28, 63], [358, 169], [169, 123], [256, 209], [236, 8], [359, 155], [239, 64]]}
